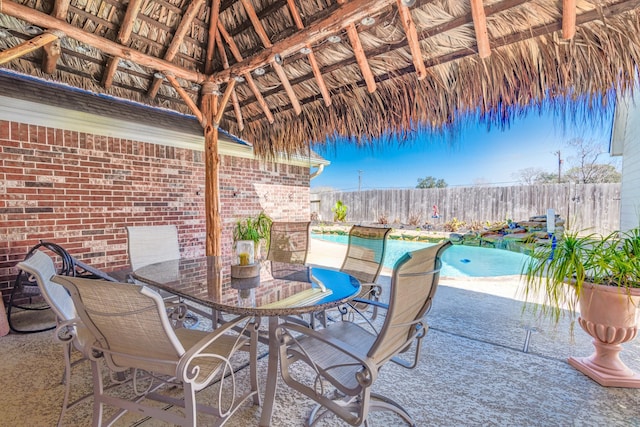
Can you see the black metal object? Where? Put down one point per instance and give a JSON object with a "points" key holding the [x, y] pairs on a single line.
{"points": [[24, 287]]}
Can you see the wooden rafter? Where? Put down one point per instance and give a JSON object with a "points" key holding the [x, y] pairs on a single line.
{"points": [[124, 34], [311, 56], [176, 41], [213, 34], [223, 102], [346, 14], [259, 28], [412, 39], [542, 30], [234, 96], [247, 76], [111, 48], [390, 47], [187, 99], [568, 19], [480, 25], [361, 57], [29, 46]]}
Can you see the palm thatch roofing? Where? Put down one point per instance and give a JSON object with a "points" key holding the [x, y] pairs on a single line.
{"points": [[301, 71]]}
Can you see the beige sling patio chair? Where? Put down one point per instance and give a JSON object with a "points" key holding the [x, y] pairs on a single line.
{"points": [[365, 253], [41, 267], [149, 244], [337, 366], [288, 244], [132, 331]]}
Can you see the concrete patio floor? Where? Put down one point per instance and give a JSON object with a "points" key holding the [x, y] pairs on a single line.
{"points": [[476, 369]]}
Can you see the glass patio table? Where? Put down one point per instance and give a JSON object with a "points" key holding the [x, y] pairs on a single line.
{"points": [[290, 289]]}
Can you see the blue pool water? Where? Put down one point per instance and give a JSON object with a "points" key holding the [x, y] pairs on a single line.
{"points": [[457, 261]]}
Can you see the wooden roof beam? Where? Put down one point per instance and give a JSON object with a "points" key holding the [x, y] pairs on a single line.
{"points": [[259, 28], [480, 25], [430, 32], [348, 13], [176, 41], [124, 34], [234, 96], [311, 56], [541, 30], [412, 39], [247, 76], [214, 15], [223, 102], [186, 98], [111, 48], [568, 19], [29, 46], [361, 57]]}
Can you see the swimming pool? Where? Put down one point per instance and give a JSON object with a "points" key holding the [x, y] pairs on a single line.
{"points": [[457, 261]]}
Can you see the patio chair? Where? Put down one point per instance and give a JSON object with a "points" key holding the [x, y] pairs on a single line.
{"points": [[363, 260], [288, 244], [149, 244], [337, 366], [132, 331], [41, 268]]}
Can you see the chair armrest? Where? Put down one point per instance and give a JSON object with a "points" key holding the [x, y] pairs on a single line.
{"points": [[371, 302], [285, 338], [189, 370]]}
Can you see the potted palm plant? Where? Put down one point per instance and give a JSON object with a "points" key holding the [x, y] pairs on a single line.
{"points": [[600, 276]]}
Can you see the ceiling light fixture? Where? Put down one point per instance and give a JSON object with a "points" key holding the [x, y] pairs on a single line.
{"points": [[239, 79], [34, 30], [305, 50], [408, 3], [158, 75], [334, 39], [368, 21], [4, 33], [259, 71], [277, 58]]}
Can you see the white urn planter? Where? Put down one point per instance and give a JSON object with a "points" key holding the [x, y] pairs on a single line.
{"points": [[610, 315]]}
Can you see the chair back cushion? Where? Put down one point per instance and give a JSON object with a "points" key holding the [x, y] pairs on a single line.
{"points": [[365, 252], [42, 268], [289, 242], [129, 323], [413, 286], [151, 244]]}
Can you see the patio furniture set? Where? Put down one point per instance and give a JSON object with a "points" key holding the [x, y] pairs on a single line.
{"points": [[325, 327]]}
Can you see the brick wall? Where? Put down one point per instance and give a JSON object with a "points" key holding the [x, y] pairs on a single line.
{"points": [[80, 190]]}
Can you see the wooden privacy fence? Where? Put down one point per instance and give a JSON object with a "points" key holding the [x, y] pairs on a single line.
{"points": [[595, 207]]}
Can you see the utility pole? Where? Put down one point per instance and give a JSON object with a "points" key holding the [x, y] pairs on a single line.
{"points": [[359, 180], [559, 166]]}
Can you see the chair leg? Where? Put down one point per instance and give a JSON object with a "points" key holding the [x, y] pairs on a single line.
{"points": [[66, 380], [98, 390], [253, 360]]}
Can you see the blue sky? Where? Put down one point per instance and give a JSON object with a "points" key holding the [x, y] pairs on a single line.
{"points": [[477, 155]]}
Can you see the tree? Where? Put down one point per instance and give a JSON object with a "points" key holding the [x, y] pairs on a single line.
{"points": [[593, 173], [528, 176], [585, 166], [431, 182]]}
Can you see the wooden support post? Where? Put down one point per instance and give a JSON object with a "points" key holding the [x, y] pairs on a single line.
{"points": [[212, 170]]}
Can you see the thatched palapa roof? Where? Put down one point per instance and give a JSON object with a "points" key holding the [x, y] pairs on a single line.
{"points": [[363, 68]]}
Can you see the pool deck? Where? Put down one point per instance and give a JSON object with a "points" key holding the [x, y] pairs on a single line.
{"points": [[485, 362]]}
